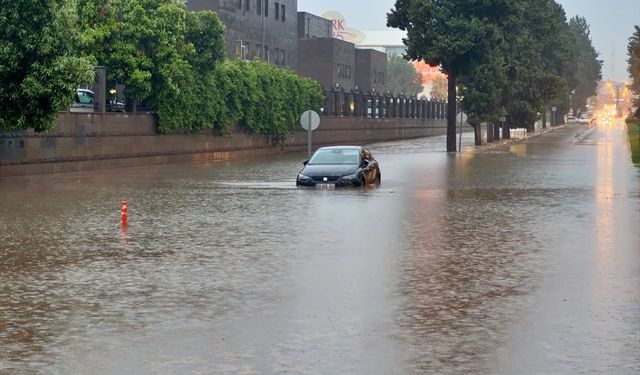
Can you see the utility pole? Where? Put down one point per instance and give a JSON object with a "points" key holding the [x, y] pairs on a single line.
{"points": [[262, 5]]}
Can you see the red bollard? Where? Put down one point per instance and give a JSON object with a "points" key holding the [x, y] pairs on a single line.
{"points": [[123, 212]]}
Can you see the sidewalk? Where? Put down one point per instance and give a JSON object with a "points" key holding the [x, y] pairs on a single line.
{"points": [[505, 142]]}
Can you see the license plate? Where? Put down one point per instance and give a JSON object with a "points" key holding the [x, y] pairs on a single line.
{"points": [[325, 186]]}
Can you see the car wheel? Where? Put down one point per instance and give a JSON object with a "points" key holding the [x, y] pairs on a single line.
{"points": [[362, 181], [379, 180]]}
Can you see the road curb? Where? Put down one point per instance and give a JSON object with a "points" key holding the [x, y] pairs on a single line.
{"points": [[504, 142]]}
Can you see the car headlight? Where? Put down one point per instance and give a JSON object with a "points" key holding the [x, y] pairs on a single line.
{"points": [[350, 177], [302, 177]]}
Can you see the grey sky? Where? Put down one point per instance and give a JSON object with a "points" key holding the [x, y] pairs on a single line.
{"points": [[611, 23]]}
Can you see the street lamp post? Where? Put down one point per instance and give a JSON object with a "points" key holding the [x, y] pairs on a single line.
{"points": [[503, 119], [571, 102]]}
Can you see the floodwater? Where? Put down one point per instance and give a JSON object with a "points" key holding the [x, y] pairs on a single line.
{"points": [[520, 259]]}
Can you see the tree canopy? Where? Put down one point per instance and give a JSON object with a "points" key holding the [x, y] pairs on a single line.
{"points": [[166, 56], [588, 67], [173, 59], [633, 49], [539, 61], [520, 55], [455, 34], [402, 76], [439, 88], [39, 70]]}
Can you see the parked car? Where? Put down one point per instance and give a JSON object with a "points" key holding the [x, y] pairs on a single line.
{"points": [[340, 166], [115, 105], [571, 120], [85, 101], [584, 119]]}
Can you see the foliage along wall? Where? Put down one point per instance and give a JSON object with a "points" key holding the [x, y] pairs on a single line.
{"points": [[165, 55]]}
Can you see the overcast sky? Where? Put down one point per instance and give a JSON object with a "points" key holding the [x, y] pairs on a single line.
{"points": [[611, 23]]}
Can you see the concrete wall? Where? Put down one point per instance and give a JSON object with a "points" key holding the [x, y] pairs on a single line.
{"points": [[94, 141]]}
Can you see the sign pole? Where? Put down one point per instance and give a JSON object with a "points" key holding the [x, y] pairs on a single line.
{"points": [[309, 130], [460, 137], [310, 120]]}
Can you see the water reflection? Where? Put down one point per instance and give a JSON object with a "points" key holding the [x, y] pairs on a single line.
{"points": [[470, 258]]}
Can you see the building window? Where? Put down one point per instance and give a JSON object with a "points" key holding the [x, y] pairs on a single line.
{"points": [[259, 7], [241, 50], [282, 61], [266, 53], [276, 10], [259, 50], [276, 53], [266, 8], [282, 9], [247, 5], [239, 4]]}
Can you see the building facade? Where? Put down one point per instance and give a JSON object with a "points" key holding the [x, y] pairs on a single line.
{"points": [[371, 70], [265, 29], [312, 26], [327, 60]]}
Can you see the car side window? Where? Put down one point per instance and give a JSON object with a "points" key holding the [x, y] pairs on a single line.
{"points": [[85, 97]]}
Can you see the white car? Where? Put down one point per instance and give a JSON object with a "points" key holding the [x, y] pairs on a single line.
{"points": [[85, 101], [584, 119], [571, 120]]}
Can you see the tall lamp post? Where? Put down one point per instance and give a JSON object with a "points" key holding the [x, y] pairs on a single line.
{"points": [[571, 94]]}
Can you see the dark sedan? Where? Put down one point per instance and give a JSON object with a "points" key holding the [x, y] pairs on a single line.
{"points": [[340, 166]]}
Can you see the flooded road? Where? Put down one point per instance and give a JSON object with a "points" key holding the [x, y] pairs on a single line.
{"points": [[521, 259]]}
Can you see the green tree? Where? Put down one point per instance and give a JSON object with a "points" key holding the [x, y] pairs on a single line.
{"points": [[439, 88], [173, 59], [481, 93], [455, 34], [538, 61], [163, 54], [402, 76], [633, 49], [39, 70], [588, 68]]}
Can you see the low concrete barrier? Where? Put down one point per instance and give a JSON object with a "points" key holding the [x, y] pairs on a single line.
{"points": [[89, 141]]}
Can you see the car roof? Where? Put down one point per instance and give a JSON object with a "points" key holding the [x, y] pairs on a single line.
{"points": [[84, 90], [340, 147]]}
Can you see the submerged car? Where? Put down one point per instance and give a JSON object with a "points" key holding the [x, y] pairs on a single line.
{"points": [[340, 166]]}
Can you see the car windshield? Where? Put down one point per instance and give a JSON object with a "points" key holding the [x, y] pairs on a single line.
{"points": [[336, 156]]}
